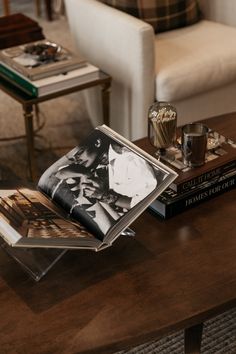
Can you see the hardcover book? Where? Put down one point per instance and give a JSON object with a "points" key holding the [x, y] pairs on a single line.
{"points": [[87, 198], [17, 29], [40, 59], [16, 22], [48, 85], [170, 203], [220, 158]]}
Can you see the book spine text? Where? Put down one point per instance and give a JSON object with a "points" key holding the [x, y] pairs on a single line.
{"points": [[167, 210], [194, 182]]}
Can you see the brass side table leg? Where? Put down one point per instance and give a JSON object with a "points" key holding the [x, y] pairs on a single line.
{"points": [[37, 112], [106, 102], [192, 339], [29, 129]]}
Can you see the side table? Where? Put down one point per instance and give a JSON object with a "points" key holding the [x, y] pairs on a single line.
{"points": [[28, 103]]}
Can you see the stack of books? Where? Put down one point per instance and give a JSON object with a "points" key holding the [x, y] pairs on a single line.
{"points": [[43, 67], [195, 185], [17, 29]]}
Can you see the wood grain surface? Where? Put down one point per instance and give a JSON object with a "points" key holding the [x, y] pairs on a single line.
{"points": [[173, 275]]}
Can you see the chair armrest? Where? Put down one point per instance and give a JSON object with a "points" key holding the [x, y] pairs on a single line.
{"points": [[119, 44], [219, 11]]}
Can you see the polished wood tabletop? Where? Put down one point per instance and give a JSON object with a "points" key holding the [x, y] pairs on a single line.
{"points": [[172, 275]]}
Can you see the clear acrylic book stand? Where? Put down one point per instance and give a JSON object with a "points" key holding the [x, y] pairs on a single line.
{"points": [[38, 261], [35, 261]]}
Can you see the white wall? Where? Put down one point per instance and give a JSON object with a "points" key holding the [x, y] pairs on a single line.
{"points": [[223, 11]]}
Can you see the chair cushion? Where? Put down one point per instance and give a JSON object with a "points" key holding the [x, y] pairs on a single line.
{"points": [[190, 60], [162, 15]]}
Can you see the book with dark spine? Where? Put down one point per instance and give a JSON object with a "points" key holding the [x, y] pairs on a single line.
{"points": [[18, 29], [170, 203]]}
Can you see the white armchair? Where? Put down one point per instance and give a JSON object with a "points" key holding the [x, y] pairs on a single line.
{"points": [[194, 67]]}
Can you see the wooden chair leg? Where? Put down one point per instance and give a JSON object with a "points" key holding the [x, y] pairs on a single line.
{"points": [[48, 8], [48, 5], [38, 8], [6, 7]]}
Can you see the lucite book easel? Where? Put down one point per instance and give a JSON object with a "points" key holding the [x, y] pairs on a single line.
{"points": [[36, 262]]}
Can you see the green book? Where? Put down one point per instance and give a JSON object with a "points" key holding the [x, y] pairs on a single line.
{"points": [[51, 84], [18, 80]]}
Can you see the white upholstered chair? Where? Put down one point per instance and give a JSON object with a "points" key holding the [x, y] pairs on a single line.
{"points": [[194, 67]]}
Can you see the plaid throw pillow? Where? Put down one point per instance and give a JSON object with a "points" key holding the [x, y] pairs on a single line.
{"points": [[163, 15], [129, 6]]}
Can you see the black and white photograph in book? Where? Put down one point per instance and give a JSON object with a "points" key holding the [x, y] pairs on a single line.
{"points": [[100, 181]]}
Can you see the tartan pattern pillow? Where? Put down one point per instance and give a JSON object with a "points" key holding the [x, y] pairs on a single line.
{"points": [[163, 15], [129, 6]]}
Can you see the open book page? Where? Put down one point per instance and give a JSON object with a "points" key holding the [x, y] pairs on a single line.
{"points": [[29, 219], [102, 182]]}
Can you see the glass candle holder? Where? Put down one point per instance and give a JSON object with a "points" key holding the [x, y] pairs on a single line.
{"points": [[162, 123]]}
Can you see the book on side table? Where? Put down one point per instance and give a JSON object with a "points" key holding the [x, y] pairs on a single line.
{"points": [[51, 84], [40, 59], [86, 199]]}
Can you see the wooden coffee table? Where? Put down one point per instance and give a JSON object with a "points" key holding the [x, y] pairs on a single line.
{"points": [[173, 275]]}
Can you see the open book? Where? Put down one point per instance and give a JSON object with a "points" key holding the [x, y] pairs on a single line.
{"points": [[87, 198]]}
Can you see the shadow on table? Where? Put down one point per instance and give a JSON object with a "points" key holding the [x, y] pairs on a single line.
{"points": [[77, 272]]}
